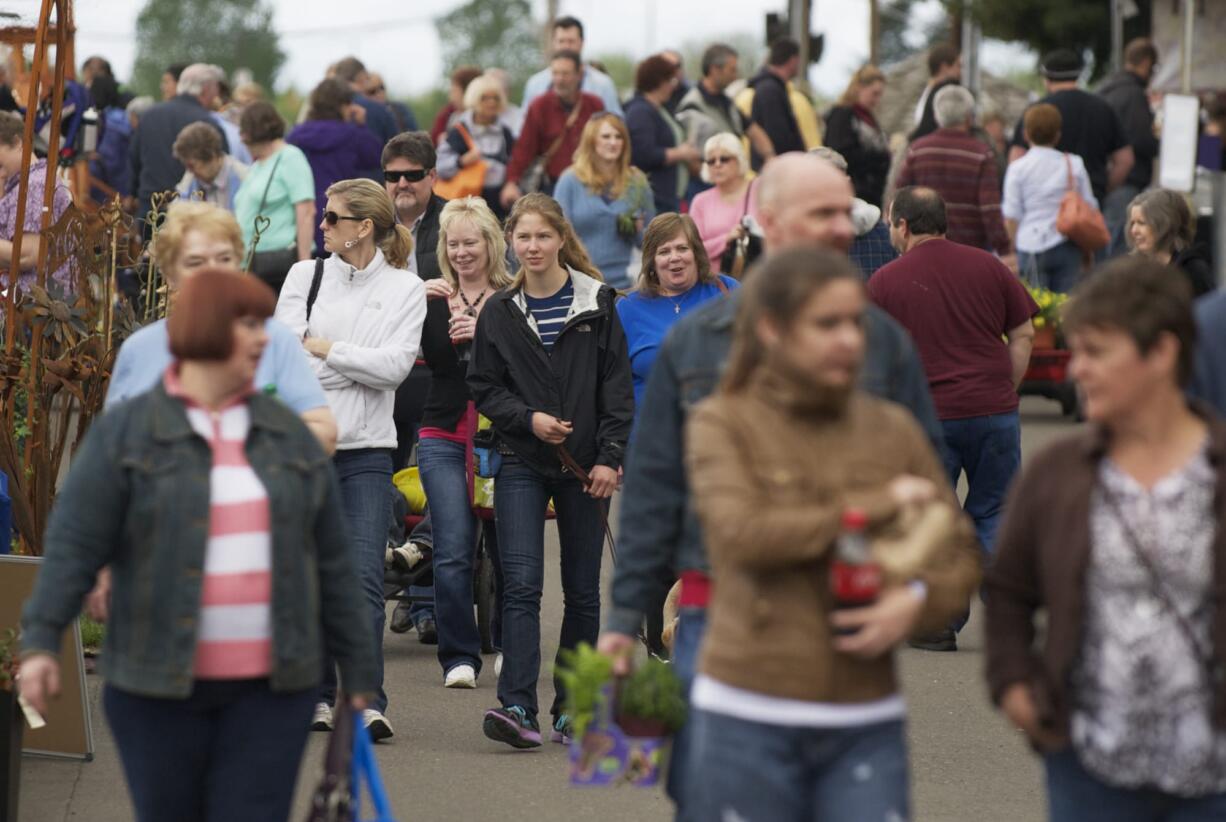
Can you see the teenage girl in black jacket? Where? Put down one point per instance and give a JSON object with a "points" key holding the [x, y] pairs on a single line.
{"points": [[550, 368]]}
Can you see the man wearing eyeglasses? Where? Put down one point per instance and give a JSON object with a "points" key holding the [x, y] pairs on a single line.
{"points": [[409, 176]]}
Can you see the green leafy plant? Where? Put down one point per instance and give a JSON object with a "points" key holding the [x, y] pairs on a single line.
{"points": [[8, 658], [584, 672], [92, 635], [651, 702]]}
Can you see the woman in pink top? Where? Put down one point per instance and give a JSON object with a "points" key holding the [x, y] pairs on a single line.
{"points": [[719, 212], [220, 517]]}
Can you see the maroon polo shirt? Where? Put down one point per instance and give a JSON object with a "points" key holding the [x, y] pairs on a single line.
{"points": [[962, 169], [957, 302], [543, 122]]}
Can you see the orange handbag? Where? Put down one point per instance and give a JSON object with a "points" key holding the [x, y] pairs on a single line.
{"points": [[1079, 221], [468, 181]]}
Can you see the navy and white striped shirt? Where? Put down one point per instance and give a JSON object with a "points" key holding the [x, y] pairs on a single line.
{"points": [[550, 312]]}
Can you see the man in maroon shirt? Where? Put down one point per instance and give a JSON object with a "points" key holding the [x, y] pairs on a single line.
{"points": [[562, 111], [958, 302], [962, 169]]}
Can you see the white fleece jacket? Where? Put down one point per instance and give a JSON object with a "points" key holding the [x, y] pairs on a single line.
{"points": [[373, 318]]}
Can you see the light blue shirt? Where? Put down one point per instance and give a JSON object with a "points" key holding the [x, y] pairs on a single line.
{"points": [[145, 356], [594, 219], [594, 82], [238, 150]]}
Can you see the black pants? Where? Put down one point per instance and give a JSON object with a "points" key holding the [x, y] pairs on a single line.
{"points": [[227, 753]]}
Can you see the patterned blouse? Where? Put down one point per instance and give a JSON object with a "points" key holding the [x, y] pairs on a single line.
{"points": [[1142, 712], [33, 217]]}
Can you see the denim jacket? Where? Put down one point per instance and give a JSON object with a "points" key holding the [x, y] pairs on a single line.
{"points": [[659, 531], [137, 498]]}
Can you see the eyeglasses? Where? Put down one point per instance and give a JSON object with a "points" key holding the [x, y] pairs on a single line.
{"points": [[332, 218], [719, 161], [414, 176]]}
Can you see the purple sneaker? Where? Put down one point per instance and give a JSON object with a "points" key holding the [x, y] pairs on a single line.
{"points": [[512, 725]]}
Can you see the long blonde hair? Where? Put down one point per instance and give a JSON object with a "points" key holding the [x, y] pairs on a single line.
{"points": [[572, 254], [476, 211], [865, 76], [778, 289], [369, 201], [585, 166]]}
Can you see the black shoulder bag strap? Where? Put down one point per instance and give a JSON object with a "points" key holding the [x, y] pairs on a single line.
{"points": [[315, 281]]}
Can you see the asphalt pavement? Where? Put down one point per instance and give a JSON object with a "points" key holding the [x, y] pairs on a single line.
{"points": [[967, 764]]}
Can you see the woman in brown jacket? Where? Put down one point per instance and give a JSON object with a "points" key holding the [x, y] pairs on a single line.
{"points": [[796, 712], [1116, 533]]}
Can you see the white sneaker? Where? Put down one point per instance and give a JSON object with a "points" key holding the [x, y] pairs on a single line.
{"points": [[461, 676], [407, 556], [498, 664], [322, 721], [376, 724]]}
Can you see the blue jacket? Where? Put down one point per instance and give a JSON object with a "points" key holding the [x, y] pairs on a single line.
{"points": [[650, 139], [1209, 372], [137, 499], [659, 530]]}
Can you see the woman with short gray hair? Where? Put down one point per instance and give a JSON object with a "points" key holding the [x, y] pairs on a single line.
{"points": [[1160, 226], [720, 212]]}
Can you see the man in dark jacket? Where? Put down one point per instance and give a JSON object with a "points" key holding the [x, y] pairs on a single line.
{"points": [[944, 69], [378, 119], [1127, 92], [409, 176], [772, 106], [150, 155], [802, 201]]}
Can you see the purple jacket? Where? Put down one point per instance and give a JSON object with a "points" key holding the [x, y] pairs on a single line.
{"points": [[336, 151]]}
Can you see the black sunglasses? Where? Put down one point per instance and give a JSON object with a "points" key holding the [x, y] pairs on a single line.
{"points": [[332, 218], [414, 176]]}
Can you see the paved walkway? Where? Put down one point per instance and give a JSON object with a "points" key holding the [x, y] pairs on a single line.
{"points": [[967, 765]]}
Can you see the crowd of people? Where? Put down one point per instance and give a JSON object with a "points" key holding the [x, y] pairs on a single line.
{"points": [[685, 298]]}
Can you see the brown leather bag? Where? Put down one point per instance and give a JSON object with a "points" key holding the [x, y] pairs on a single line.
{"points": [[1079, 221]]}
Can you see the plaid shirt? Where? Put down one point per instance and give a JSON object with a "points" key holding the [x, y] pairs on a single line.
{"points": [[33, 217], [963, 171], [872, 249]]}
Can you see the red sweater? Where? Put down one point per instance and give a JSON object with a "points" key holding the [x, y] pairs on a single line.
{"points": [[543, 122], [963, 171]]}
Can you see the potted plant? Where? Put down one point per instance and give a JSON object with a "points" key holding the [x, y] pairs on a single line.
{"points": [[621, 727], [10, 726], [1047, 332]]}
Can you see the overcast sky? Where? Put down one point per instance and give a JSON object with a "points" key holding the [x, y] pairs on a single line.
{"points": [[399, 39]]}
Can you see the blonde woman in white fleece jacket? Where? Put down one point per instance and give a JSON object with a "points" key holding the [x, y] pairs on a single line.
{"points": [[361, 335]]}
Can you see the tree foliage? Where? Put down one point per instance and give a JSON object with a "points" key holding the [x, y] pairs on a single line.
{"points": [[901, 37], [489, 33], [229, 33]]}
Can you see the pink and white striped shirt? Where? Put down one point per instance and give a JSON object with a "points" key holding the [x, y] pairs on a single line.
{"points": [[234, 640]]}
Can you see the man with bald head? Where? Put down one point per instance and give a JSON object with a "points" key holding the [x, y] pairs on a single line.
{"points": [[803, 201]]}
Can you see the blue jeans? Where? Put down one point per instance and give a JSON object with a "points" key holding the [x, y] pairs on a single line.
{"points": [[1057, 269], [445, 481], [365, 476], [756, 772], [691, 627], [423, 533], [1075, 795], [228, 753], [1115, 214], [989, 449], [520, 497]]}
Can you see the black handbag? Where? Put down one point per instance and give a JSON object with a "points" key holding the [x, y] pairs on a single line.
{"points": [[272, 266], [741, 253]]}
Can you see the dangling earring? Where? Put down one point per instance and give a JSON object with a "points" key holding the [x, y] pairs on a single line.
{"points": [[350, 243]]}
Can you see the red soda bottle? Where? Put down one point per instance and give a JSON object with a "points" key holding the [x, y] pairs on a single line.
{"points": [[855, 580]]}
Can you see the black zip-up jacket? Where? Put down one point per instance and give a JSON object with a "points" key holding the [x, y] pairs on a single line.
{"points": [[585, 380]]}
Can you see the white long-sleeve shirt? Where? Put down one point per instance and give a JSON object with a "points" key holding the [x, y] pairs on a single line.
{"points": [[373, 318], [1034, 186]]}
